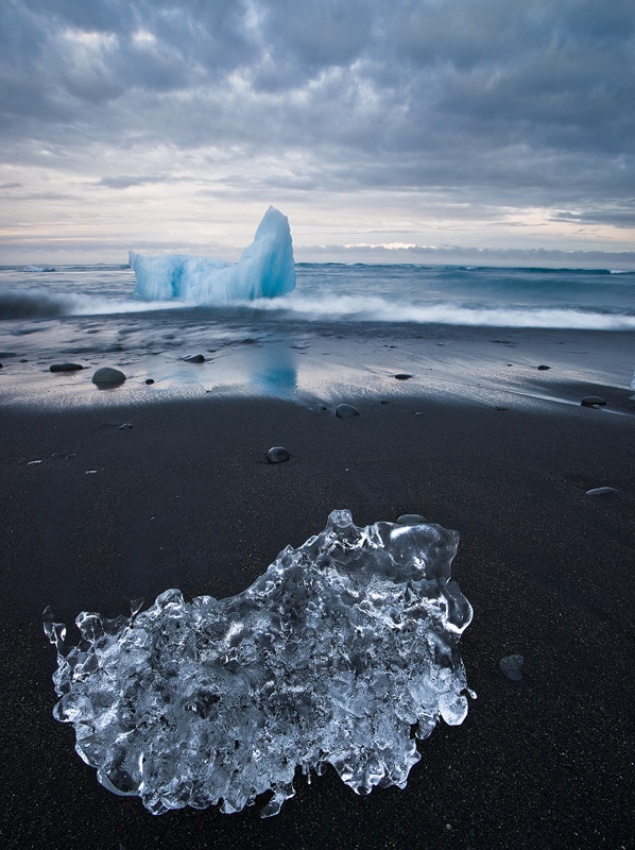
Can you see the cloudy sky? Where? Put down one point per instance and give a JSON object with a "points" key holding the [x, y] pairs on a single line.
{"points": [[412, 124]]}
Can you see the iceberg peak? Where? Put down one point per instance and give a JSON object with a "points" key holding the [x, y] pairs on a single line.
{"points": [[266, 269]]}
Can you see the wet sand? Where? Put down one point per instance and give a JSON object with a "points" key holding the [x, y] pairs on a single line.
{"points": [[94, 515]]}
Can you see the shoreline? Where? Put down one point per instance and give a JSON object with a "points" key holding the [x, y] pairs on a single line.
{"points": [[185, 498]]}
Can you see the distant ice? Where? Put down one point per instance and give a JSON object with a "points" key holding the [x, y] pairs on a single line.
{"points": [[266, 269], [343, 652]]}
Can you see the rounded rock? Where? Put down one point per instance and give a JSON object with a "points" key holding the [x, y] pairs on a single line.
{"points": [[410, 519], [149, 381], [107, 376], [195, 358], [278, 454], [65, 367], [511, 666], [346, 411], [601, 491], [403, 376], [543, 368], [592, 401]]}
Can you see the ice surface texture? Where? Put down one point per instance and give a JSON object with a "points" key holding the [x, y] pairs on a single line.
{"points": [[343, 651], [265, 269]]}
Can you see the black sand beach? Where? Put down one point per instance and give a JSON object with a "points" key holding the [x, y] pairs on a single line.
{"points": [[185, 498]]}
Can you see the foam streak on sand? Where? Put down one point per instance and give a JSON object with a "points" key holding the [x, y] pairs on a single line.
{"points": [[330, 657]]}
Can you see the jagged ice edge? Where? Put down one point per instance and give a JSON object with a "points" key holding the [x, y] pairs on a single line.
{"points": [[336, 655]]}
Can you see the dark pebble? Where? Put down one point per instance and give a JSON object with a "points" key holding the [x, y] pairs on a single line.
{"points": [[592, 401], [65, 367], [543, 368], [602, 491], [403, 376], [410, 519], [149, 381], [195, 358], [107, 376], [512, 667], [345, 411], [278, 454]]}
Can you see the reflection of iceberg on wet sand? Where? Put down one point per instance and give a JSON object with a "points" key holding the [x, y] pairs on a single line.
{"points": [[266, 269]]}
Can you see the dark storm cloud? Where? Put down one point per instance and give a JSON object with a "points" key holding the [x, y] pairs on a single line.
{"points": [[519, 103]]}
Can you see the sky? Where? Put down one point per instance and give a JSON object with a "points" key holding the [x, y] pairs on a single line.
{"points": [[403, 130]]}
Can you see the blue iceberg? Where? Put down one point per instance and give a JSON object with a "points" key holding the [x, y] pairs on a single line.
{"points": [[266, 269], [343, 653]]}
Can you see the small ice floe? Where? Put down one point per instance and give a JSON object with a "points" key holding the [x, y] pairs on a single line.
{"points": [[344, 652], [512, 667], [91, 472], [126, 426], [34, 462]]}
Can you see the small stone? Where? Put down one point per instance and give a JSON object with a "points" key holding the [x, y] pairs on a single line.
{"points": [[410, 519], [512, 667], [543, 368], [601, 491], [278, 454], [149, 381], [419, 413], [346, 411], [592, 401], [195, 358], [126, 426], [501, 407], [403, 376], [65, 367], [107, 376]]}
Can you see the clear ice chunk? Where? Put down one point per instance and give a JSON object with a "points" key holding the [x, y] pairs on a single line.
{"points": [[343, 652], [266, 269]]}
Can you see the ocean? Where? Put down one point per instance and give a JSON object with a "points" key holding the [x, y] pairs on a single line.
{"points": [[88, 314]]}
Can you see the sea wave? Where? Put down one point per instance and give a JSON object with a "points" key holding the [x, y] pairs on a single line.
{"points": [[361, 308]]}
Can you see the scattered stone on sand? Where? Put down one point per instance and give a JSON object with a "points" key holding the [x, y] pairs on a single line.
{"points": [[65, 367], [346, 411], [149, 381], [403, 376], [410, 519], [601, 491], [512, 667], [543, 368], [501, 407], [126, 426], [278, 454], [382, 401], [108, 376], [195, 358], [592, 401]]}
